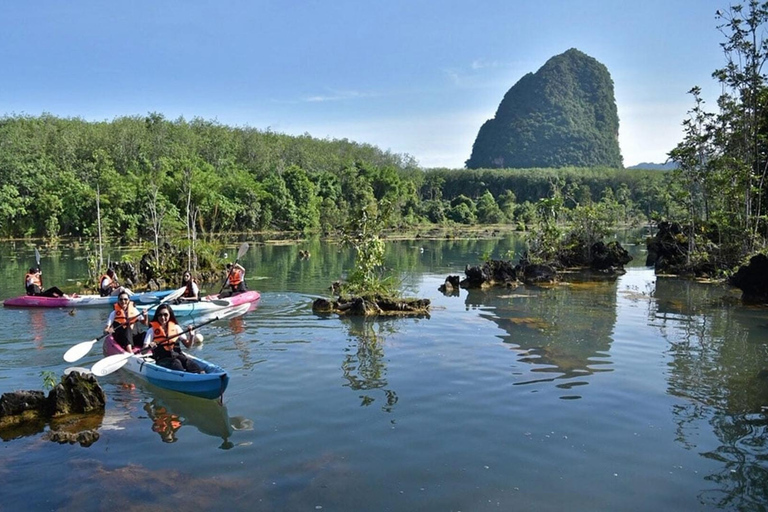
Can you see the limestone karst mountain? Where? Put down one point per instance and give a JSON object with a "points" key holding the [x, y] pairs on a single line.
{"points": [[562, 115]]}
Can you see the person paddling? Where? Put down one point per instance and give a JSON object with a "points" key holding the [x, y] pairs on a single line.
{"points": [[122, 322], [235, 279], [33, 283], [164, 336]]}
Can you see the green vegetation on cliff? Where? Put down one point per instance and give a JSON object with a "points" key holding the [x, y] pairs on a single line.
{"points": [[562, 115]]}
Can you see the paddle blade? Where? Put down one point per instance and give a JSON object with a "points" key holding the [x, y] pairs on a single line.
{"points": [[37, 257], [173, 296], [243, 249], [110, 364], [79, 351]]}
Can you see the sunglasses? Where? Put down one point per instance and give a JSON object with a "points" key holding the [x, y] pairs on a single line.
{"points": [[166, 315], [124, 300]]}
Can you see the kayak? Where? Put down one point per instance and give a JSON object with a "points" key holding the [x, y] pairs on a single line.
{"points": [[210, 384], [214, 304], [69, 301]]}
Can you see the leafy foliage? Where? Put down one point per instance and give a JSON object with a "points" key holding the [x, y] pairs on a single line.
{"points": [[723, 158], [157, 179]]}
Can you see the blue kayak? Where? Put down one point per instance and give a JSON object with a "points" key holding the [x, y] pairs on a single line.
{"points": [[210, 384]]}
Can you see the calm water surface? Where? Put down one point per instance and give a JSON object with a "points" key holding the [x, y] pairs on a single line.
{"points": [[635, 394]]}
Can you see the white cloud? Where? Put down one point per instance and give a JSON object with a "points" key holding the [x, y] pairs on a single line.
{"points": [[339, 96]]}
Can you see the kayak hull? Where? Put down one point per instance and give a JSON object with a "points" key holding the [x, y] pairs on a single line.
{"points": [[210, 385], [36, 301]]}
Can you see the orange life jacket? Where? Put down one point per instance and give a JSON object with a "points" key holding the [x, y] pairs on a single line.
{"points": [[33, 279], [160, 337], [236, 277], [189, 292], [105, 290], [130, 315]]}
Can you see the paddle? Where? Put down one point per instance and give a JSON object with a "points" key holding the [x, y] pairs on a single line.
{"points": [[37, 261], [240, 253], [114, 362], [81, 349]]}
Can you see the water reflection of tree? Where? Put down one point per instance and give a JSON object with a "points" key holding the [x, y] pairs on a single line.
{"points": [[716, 360], [563, 332], [363, 366]]}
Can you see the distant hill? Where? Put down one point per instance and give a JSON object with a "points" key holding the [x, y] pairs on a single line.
{"points": [[655, 167], [563, 115]]}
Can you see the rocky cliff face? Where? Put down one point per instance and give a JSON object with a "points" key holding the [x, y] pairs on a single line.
{"points": [[562, 115]]}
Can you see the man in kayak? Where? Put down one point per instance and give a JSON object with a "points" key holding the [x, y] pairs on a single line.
{"points": [[163, 336], [33, 283], [123, 322], [235, 280]]}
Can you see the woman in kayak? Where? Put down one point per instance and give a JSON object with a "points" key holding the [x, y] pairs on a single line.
{"points": [[235, 280], [33, 283], [191, 290], [164, 335], [123, 322], [109, 285]]}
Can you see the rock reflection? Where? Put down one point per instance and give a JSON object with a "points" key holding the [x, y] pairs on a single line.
{"points": [[564, 332], [718, 353], [365, 369]]}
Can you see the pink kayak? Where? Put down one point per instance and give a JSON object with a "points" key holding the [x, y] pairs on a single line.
{"points": [[69, 301]]}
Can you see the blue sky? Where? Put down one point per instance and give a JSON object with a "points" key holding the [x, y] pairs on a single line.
{"points": [[415, 77]]}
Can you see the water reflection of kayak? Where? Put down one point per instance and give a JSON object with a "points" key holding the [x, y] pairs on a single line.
{"points": [[170, 412]]}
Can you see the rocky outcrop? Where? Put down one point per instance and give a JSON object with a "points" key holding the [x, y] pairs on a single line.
{"points": [[752, 279], [668, 249], [610, 257], [668, 252], [451, 286], [372, 306], [607, 259], [76, 401]]}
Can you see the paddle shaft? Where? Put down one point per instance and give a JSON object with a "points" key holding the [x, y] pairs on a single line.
{"points": [[37, 261]]}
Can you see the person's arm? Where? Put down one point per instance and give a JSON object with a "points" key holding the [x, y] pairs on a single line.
{"points": [[148, 338], [110, 320], [195, 291], [188, 338]]}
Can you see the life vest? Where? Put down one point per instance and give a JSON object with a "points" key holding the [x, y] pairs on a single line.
{"points": [[190, 291], [236, 277], [105, 290], [123, 316], [160, 337], [33, 279]]}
